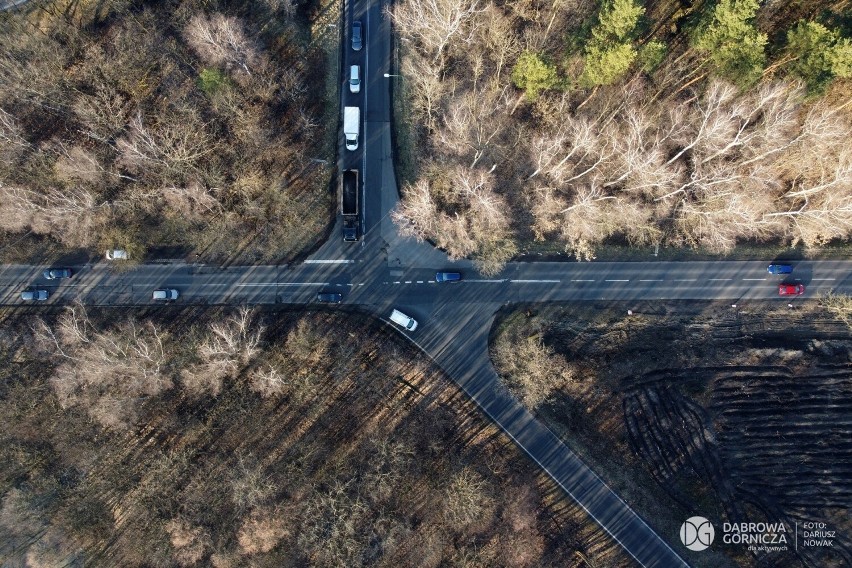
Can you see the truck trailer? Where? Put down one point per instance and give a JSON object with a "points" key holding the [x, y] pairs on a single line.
{"points": [[349, 205]]}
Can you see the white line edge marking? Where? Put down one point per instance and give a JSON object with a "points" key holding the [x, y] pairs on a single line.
{"points": [[823, 278], [718, 279], [343, 261], [616, 280], [583, 281], [755, 279], [483, 281], [659, 280], [687, 280], [537, 281]]}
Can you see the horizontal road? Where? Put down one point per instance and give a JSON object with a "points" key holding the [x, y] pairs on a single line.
{"points": [[112, 284]]}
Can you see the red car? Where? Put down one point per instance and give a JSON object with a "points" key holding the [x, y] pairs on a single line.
{"points": [[791, 289]]}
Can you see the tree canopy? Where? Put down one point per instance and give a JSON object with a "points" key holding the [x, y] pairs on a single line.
{"points": [[733, 43], [533, 74], [611, 51]]}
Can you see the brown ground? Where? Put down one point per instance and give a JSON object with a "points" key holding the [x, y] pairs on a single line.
{"points": [[701, 409]]}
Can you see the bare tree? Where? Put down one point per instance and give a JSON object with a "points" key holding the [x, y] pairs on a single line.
{"points": [[12, 142], [69, 215], [436, 24], [473, 124], [229, 346], [476, 219], [107, 372], [221, 40], [190, 543], [172, 148], [261, 532]]}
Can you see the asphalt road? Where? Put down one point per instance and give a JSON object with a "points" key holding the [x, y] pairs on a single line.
{"points": [[383, 271]]}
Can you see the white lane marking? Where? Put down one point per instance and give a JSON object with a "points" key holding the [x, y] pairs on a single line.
{"points": [[823, 278], [279, 284], [616, 280], [420, 282], [582, 281], [537, 281], [341, 261], [718, 279], [397, 282], [687, 280], [660, 280], [755, 279]]}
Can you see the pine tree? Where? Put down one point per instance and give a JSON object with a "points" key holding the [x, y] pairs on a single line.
{"points": [[734, 45], [611, 51], [533, 74]]}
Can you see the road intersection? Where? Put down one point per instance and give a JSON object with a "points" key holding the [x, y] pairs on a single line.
{"points": [[384, 271]]}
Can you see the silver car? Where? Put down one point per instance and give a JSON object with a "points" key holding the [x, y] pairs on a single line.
{"points": [[355, 79], [37, 294], [165, 294]]}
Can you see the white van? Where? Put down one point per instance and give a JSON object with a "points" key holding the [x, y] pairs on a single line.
{"points": [[355, 79], [403, 320]]}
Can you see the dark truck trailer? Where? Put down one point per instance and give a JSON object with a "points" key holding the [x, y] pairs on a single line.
{"points": [[349, 205]]}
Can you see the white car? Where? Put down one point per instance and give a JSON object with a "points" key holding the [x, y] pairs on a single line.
{"points": [[403, 320], [165, 294], [355, 79], [116, 254]]}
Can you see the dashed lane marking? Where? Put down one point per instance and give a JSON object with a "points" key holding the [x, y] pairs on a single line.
{"points": [[536, 281], [617, 281], [651, 280], [258, 284], [755, 279], [341, 261]]}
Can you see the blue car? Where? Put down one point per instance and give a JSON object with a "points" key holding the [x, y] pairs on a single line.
{"points": [[447, 276], [779, 269]]}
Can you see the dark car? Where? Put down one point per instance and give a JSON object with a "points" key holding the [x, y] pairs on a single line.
{"points": [[34, 294], [357, 39], [791, 289], [54, 273], [780, 269], [331, 297], [447, 276]]}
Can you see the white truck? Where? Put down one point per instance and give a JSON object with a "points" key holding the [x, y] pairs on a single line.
{"points": [[351, 125]]}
